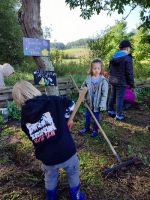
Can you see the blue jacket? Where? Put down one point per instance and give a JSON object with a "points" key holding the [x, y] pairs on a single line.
{"points": [[121, 69], [43, 120]]}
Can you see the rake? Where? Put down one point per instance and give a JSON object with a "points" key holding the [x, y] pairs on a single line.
{"points": [[120, 163]]}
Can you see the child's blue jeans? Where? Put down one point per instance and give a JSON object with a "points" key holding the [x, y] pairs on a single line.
{"points": [[71, 166], [116, 96], [88, 120]]}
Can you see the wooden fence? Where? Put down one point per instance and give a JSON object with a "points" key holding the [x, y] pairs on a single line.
{"points": [[65, 86]]}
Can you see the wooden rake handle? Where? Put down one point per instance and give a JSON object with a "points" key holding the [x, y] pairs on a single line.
{"points": [[99, 126], [78, 103]]}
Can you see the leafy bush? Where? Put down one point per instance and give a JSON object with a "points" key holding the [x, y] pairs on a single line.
{"points": [[56, 56], [142, 92], [14, 112]]}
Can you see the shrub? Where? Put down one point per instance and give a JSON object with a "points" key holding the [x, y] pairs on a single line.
{"points": [[14, 112]]}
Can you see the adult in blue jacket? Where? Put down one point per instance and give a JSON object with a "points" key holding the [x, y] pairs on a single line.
{"points": [[121, 75]]}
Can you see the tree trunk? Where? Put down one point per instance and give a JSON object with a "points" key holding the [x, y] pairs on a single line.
{"points": [[30, 20]]}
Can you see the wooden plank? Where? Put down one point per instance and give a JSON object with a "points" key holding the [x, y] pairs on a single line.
{"points": [[5, 97], [3, 104], [144, 82], [65, 86], [63, 79], [6, 90], [143, 86], [62, 92]]}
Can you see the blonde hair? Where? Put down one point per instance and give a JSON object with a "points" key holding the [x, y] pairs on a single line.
{"points": [[96, 61], [23, 91]]}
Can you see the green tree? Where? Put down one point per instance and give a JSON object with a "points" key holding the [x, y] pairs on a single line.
{"points": [[141, 53], [107, 43], [90, 7], [10, 33], [141, 44]]}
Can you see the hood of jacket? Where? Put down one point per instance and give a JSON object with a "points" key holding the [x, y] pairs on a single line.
{"points": [[34, 108], [7, 69], [119, 56]]}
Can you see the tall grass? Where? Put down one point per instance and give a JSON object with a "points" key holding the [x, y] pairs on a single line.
{"points": [[71, 68]]}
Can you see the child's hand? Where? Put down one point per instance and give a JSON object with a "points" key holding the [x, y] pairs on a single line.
{"points": [[70, 124]]}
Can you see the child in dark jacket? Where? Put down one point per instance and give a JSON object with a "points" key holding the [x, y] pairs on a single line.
{"points": [[97, 94], [121, 75], [43, 120]]}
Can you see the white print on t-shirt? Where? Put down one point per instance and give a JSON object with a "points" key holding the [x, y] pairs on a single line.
{"points": [[44, 128]]}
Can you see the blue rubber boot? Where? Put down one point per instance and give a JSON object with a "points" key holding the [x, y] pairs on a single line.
{"points": [[94, 134], [51, 194], [84, 130], [75, 193]]}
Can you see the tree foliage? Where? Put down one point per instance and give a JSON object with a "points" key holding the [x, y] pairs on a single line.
{"points": [[10, 33], [141, 52], [141, 44], [107, 42], [91, 7]]}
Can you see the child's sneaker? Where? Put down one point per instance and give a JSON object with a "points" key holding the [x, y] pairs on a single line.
{"points": [[111, 113], [94, 134], [84, 130], [120, 117], [148, 127]]}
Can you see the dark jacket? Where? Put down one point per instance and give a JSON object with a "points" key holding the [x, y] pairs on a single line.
{"points": [[44, 123], [121, 69]]}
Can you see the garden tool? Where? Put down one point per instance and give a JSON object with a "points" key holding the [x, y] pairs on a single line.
{"points": [[121, 164], [78, 103]]}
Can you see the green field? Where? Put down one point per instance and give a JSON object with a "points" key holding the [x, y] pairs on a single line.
{"points": [[77, 52]]}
